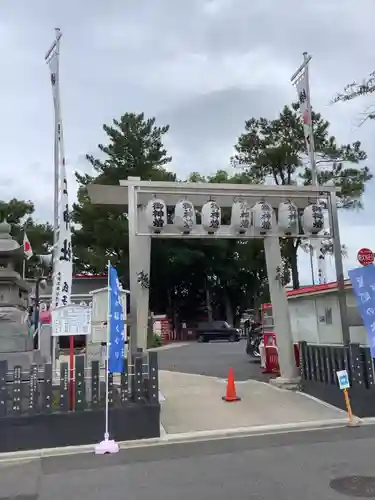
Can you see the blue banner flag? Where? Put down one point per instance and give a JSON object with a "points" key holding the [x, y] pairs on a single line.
{"points": [[363, 282], [116, 325]]}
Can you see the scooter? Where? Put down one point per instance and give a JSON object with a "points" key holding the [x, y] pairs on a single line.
{"points": [[253, 341]]}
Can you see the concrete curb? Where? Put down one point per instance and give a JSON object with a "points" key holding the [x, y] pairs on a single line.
{"points": [[190, 437], [368, 420], [309, 396], [167, 347]]}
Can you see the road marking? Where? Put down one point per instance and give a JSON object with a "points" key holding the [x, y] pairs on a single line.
{"points": [[167, 347]]}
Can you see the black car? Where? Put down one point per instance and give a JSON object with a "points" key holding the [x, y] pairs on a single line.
{"points": [[217, 330]]}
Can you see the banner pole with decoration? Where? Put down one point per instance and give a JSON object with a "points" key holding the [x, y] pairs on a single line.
{"points": [[302, 83], [62, 249], [53, 54], [52, 59], [107, 445], [106, 433]]}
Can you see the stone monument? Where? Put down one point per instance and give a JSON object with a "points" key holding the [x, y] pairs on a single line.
{"points": [[16, 344]]}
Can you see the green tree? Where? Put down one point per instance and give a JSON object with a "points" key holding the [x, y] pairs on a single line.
{"points": [[235, 270], [275, 151], [18, 213], [354, 90], [182, 272], [134, 148]]}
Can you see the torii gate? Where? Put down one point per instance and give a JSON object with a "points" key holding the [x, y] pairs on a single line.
{"points": [[136, 194]]}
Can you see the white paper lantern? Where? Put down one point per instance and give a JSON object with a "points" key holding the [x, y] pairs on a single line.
{"points": [[313, 219], [184, 216], [211, 217], [263, 217], [156, 215], [288, 217], [240, 217]]}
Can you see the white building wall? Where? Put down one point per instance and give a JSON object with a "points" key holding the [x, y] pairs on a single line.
{"points": [[303, 320], [315, 318], [328, 316]]}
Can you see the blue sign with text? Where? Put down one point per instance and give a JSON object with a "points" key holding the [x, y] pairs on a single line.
{"points": [[116, 325], [343, 379], [363, 282]]}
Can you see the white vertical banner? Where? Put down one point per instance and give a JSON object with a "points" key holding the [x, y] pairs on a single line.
{"points": [[63, 267], [303, 91], [63, 257], [302, 87], [322, 262], [322, 275]]}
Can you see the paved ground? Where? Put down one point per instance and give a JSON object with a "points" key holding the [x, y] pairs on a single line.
{"points": [[283, 467], [194, 403], [192, 379], [212, 359]]}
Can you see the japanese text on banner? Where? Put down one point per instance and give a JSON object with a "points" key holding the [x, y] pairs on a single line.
{"points": [[116, 353], [63, 258], [363, 282], [303, 99]]}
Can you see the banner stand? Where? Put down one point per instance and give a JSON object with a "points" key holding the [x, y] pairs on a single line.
{"points": [[107, 445]]}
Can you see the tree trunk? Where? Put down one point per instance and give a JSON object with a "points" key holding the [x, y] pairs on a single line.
{"points": [[228, 309], [208, 303], [172, 309], [294, 267]]}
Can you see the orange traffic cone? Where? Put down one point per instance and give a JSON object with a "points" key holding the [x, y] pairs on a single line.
{"points": [[230, 395]]}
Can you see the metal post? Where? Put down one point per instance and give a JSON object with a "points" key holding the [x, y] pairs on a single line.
{"points": [[315, 245], [132, 208], [302, 67], [334, 223], [37, 300], [314, 174], [54, 51], [311, 251], [56, 151]]}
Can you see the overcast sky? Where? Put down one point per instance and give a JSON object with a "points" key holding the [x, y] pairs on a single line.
{"points": [[203, 66]]}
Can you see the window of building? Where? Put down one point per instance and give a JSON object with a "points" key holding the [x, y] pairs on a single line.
{"points": [[328, 315]]}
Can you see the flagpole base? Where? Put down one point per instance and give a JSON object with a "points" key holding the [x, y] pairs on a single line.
{"points": [[107, 446]]}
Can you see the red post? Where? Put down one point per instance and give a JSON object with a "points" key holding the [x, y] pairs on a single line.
{"points": [[71, 372]]}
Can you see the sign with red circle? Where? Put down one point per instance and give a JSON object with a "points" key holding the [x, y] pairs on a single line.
{"points": [[365, 256]]}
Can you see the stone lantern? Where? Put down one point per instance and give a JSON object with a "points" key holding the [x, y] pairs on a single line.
{"points": [[16, 343]]}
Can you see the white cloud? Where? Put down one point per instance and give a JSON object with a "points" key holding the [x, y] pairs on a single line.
{"points": [[202, 66], [354, 237]]}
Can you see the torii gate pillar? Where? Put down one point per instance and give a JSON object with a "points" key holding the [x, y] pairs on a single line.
{"points": [[139, 267]]}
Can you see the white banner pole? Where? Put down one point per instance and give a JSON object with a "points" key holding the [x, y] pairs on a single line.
{"points": [[106, 434], [52, 59], [302, 83], [317, 245], [107, 445], [62, 251]]}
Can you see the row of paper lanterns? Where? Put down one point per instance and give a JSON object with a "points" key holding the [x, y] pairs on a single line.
{"points": [[261, 216]]}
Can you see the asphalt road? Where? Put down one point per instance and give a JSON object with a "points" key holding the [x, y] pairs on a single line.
{"points": [[212, 359], [288, 466]]}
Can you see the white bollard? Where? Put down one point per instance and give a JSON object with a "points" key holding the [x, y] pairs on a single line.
{"points": [[262, 350]]}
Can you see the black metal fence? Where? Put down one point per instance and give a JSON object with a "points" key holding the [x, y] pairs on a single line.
{"points": [[36, 391], [319, 364], [35, 402]]}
